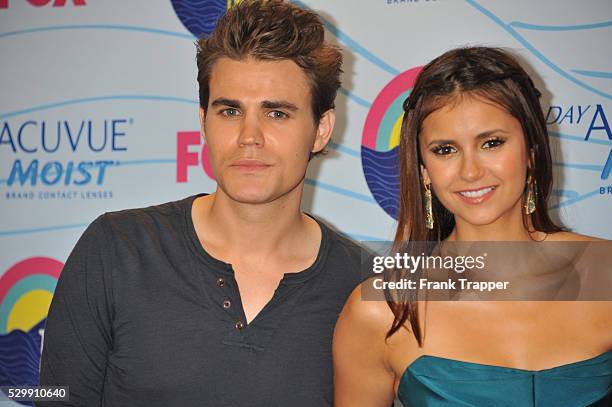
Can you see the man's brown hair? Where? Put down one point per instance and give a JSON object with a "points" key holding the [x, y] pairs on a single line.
{"points": [[274, 30]]}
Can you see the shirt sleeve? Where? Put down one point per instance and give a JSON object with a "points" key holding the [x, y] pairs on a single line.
{"points": [[78, 333]]}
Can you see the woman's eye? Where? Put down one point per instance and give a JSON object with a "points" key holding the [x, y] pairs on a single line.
{"points": [[230, 112], [277, 114], [493, 143], [443, 150]]}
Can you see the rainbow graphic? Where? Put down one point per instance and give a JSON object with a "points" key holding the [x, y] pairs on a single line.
{"points": [[380, 141], [26, 290], [200, 16]]}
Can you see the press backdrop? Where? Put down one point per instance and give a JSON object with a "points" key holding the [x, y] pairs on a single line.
{"points": [[99, 112]]}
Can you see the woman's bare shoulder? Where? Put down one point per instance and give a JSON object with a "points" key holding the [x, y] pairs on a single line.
{"points": [[366, 321], [367, 307]]}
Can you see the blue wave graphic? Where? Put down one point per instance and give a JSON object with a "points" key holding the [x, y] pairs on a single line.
{"points": [[577, 27], [586, 167], [117, 27], [20, 357], [42, 229], [147, 161], [156, 98], [565, 192], [381, 170], [199, 16], [593, 74], [344, 149], [579, 138]]}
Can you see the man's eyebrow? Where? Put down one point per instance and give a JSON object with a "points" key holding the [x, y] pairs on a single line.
{"points": [[226, 102], [278, 104]]}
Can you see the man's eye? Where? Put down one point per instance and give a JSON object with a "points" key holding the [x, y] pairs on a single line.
{"points": [[230, 112], [443, 150], [277, 114], [496, 142]]}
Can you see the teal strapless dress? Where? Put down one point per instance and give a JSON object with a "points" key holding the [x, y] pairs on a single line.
{"points": [[438, 382]]}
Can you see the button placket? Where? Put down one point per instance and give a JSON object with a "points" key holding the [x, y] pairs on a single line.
{"points": [[226, 304]]}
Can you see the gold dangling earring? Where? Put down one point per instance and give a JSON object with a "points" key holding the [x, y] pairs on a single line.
{"points": [[530, 202], [429, 220]]}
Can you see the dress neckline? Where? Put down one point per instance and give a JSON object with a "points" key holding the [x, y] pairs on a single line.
{"points": [[421, 359]]}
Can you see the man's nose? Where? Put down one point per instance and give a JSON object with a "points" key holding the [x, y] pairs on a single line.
{"points": [[251, 132]]}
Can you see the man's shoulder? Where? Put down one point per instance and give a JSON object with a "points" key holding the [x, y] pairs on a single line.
{"points": [[146, 214], [347, 246], [343, 251], [167, 216]]}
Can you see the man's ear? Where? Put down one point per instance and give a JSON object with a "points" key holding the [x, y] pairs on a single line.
{"points": [[324, 130], [202, 118], [425, 175]]}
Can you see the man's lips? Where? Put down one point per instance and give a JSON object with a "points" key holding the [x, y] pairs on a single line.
{"points": [[250, 165]]}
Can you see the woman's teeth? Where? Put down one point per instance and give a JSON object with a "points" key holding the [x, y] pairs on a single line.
{"points": [[477, 194]]}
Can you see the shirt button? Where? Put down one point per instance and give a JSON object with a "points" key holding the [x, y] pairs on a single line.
{"points": [[227, 304], [220, 281], [239, 325]]}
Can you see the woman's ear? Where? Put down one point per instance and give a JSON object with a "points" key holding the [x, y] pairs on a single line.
{"points": [[532, 155], [425, 175]]}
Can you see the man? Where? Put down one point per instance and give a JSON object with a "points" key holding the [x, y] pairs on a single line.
{"points": [[227, 299]]}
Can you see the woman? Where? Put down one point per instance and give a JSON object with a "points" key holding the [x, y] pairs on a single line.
{"points": [[475, 166]]}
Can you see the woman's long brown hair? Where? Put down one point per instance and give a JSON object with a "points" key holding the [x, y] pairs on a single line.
{"points": [[493, 75]]}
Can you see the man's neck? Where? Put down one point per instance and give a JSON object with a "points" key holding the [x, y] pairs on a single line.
{"points": [[229, 229]]}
